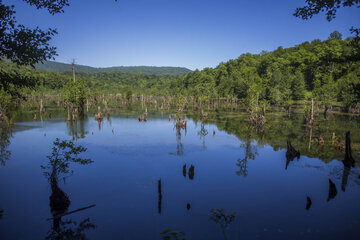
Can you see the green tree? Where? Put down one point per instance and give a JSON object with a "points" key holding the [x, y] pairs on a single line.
{"points": [[76, 94], [349, 88], [5, 100], [298, 86], [335, 35]]}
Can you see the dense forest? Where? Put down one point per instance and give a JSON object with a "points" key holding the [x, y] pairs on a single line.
{"points": [[328, 71], [52, 66]]}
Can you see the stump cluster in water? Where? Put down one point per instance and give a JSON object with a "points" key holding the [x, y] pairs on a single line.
{"points": [[143, 117]]}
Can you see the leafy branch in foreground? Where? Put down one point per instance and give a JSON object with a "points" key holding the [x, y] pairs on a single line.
{"points": [[314, 7]]}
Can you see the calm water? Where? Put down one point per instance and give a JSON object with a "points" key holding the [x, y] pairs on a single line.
{"points": [[241, 170]]}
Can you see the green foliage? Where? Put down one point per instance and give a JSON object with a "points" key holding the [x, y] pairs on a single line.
{"points": [[326, 94], [128, 93], [24, 45], [335, 35], [320, 68], [14, 77], [52, 66], [349, 88], [298, 86], [279, 75], [5, 135], [307, 109], [5, 100], [63, 153], [76, 93]]}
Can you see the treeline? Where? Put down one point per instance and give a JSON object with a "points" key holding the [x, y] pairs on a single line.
{"points": [[63, 67], [327, 70], [22, 79]]}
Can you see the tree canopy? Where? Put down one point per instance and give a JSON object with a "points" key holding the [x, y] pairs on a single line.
{"points": [[24, 45], [330, 8]]}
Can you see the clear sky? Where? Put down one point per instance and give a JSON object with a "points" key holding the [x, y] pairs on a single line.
{"points": [[186, 33]]}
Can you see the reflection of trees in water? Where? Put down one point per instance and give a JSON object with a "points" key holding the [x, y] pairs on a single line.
{"points": [[170, 234], [220, 217], [76, 129], [202, 133], [250, 152], [279, 129], [179, 146], [63, 154], [5, 135], [70, 230], [1, 213], [291, 154], [345, 178], [160, 196]]}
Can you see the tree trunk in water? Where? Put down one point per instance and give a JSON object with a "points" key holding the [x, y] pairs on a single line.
{"points": [[310, 139], [312, 112], [348, 160], [41, 106], [68, 117]]}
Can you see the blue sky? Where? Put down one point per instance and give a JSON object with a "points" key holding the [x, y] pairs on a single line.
{"points": [[186, 33]]}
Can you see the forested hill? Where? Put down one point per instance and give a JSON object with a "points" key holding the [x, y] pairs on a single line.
{"points": [[63, 67], [327, 70]]}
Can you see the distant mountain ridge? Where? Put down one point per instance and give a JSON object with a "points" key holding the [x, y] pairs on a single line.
{"points": [[52, 66]]}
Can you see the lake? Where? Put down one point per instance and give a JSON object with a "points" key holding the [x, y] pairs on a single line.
{"points": [[218, 179]]}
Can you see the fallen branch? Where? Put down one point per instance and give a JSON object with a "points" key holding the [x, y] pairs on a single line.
{"points": [[71, 212]]}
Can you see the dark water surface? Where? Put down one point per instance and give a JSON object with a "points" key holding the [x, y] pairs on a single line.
{"points": [[242, 170]]}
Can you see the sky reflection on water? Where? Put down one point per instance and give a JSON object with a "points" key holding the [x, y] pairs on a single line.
{"points": [[130, 157]]}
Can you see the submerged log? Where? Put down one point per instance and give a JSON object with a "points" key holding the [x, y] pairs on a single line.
{"points": [[71, 212], [184, 170], [160, 196], [191, 172], [310, 119], [308, 203]]}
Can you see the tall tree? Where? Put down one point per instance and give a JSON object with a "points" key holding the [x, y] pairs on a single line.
{"points": [[335, 35]]}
